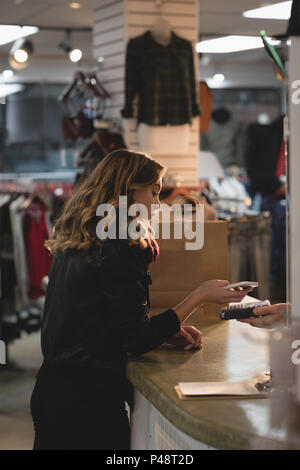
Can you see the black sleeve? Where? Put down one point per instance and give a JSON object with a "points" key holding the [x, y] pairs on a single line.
{"points": [[195, 106], [128, 322], [131, 77]]}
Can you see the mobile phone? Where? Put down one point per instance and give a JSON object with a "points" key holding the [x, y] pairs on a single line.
{"points": [[243, 284], [241, 311]]}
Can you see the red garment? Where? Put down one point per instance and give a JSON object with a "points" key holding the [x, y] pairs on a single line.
{"points": [[280, 170], [80, 126], [205, 103], [38, 257]]}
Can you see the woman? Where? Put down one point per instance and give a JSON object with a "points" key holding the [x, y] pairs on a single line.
{"points": [[97, 310]]}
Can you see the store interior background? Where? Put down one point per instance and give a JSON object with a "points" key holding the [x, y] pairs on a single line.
{"points": [[33, 149]]}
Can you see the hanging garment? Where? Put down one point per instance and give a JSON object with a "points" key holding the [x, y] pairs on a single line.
{"points": [[83, 101], [205, 102], [38, 258], [79, 126], [9, 328], [225, 139], [16, 218], [163, 77], [264, 143], [7, 263], [277, 208], [280, 169], [249, 243], [101, 144], [294, 22]]}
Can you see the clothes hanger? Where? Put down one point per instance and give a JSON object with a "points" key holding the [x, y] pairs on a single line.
{"points": [[82, 81], [95, 82], [78, 77], [34, 198]]}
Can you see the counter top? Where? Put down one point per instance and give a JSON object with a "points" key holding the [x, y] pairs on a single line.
{"points": [[231, 351]]}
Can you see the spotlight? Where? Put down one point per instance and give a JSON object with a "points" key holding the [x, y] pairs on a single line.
{"points": [[74, 54], [19, 54], [7, 74]]}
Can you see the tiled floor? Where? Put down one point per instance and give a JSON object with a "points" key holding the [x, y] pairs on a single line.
{"points": [[16, 384]]}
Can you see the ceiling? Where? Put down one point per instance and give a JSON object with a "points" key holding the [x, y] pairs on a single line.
{"points": [[225, 17], [216, 17], [46, 13]]}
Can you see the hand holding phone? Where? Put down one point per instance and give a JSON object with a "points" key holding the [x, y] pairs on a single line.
{"points": [[241, 285], [241, 311]]}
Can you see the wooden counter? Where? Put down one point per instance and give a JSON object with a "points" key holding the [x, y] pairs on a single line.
{"points": [[231, 351]]}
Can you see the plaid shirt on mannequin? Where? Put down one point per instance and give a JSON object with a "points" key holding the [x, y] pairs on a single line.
{"points": [[164, 79]]}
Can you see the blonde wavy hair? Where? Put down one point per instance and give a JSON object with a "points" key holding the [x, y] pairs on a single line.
{"points": [[118, 174]]}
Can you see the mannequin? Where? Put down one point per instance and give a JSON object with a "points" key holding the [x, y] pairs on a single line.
{"points": [[163, 139], [161, 31], [167, 103]]}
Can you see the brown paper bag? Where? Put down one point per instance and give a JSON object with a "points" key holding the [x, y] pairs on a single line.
{"points": [[178, 271]]}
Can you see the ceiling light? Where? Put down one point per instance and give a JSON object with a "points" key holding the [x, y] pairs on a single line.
{"points": [[75, 5], [278, 11], [75, 55], [7, 74], [219, 77], [10, 33], [19, 54], [227, 44], [6, 90], [100, 59]]}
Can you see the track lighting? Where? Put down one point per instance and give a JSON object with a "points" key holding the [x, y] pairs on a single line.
{"points": [[19, 54], [74, 54]]}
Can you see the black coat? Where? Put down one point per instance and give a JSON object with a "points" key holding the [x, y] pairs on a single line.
{"points": [[262, 154], [163, 77], [97, 310]]}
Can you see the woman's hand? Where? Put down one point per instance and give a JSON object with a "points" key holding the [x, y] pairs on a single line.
{"points": [[271, 315], [214, 292], [188, 338]]}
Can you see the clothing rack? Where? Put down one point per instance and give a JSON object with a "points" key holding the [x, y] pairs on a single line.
{"points": [[29, 205], [24, 184]]}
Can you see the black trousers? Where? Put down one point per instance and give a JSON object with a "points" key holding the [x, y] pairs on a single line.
{"points": [[76, 412]]}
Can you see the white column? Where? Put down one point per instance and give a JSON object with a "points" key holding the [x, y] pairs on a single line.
{"points": [[294, 192], [109, 42], [115, 22]]}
